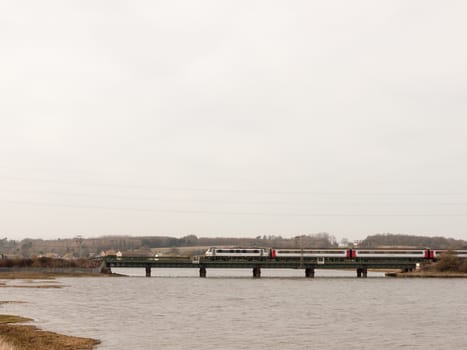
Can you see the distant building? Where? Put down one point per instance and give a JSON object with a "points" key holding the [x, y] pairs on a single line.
{"points": [[143, 253], [108, 252]]}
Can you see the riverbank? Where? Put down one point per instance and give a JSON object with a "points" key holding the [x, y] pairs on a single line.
{"points": [[427, 274], [46, 275], [14, 336]]}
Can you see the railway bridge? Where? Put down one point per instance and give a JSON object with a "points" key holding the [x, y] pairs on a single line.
{"points": [[202, 263]]}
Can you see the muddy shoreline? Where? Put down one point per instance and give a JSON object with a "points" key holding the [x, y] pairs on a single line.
{"points": [[27, 337], [16, 334], [426, 274]]}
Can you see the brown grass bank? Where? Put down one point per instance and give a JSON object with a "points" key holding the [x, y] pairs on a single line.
{"points": [[32, 275], [427, 274], [448, 266], [24, 337]]}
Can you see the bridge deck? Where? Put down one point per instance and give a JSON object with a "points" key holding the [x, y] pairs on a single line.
{"points": [[331, 263]]}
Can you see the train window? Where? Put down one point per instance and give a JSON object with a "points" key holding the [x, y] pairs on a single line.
{"points": [[409, 252]]}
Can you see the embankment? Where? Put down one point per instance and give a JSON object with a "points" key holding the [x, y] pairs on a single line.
{"points": [[427, 274], [25, 337]]}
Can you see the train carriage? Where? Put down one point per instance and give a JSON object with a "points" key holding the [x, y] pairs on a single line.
{"points": [[214, 252], [437, 253], [390, 253], [309, 253]]}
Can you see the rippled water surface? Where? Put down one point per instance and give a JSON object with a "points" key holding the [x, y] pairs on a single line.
{"points": [[230, 310]]}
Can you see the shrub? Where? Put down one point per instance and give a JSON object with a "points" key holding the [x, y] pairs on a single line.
{"points": [[448, 263], [463, 266]]}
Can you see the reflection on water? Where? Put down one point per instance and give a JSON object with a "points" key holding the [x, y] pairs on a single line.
{"points": [[231, 310]]}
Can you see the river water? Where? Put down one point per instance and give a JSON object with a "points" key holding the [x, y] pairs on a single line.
{"points": [[175, 309]]}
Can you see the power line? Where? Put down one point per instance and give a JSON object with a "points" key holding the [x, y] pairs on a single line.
{"points": [[239, 213], [211, 190], [195, 200]]}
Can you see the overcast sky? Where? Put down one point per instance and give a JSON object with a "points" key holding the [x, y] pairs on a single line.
{"points": [[233, 118]]}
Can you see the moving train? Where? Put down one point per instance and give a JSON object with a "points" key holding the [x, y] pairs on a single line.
{"points": [[283, 253]]}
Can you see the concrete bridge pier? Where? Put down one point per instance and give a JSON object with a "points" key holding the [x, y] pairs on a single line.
{"points": [[362, 272], [148, 271], [202, 272], [104, 268], [309, 272], [257, 272]]}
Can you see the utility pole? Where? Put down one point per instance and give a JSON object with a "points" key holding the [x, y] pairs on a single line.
{"points": [[79, 240]]}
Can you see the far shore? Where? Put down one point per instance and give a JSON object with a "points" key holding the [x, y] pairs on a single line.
{"points": [[426, 274], [28, 274]]}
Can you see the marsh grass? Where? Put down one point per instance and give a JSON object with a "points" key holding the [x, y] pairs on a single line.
{"points": [[13, 319], [47, 286], [28, 275], [24, 337]]}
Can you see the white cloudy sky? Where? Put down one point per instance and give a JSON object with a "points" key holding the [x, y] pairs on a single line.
{"points": [[222, 118]]}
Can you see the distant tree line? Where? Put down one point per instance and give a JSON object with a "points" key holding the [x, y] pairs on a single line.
{"points": [[81, 247], [396, 240]]}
